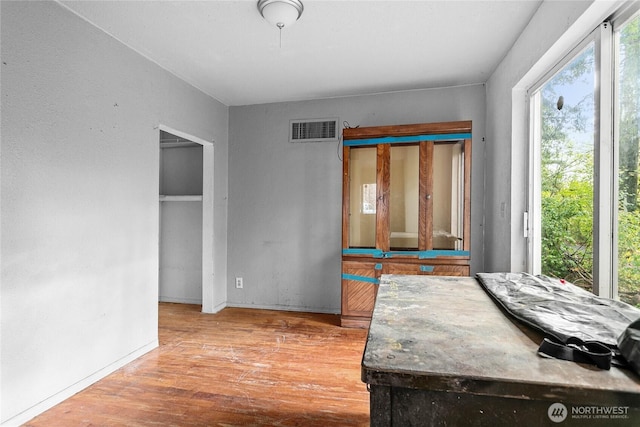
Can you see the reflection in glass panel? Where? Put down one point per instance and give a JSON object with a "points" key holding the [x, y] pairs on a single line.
{"points": [[362, 197], [448, 195], [628, 106], [403, 200], [369, 198]]}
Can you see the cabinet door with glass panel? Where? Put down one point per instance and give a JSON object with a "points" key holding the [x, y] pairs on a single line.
{"points": [[405, 205]]}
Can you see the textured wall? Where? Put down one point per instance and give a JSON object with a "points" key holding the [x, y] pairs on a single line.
{"points": [[79, 200]]}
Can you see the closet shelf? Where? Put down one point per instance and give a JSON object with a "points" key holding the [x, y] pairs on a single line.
{"points": [[181, 198]]}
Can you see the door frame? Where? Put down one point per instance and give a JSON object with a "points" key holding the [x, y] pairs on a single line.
{"points": [[208, 268]]}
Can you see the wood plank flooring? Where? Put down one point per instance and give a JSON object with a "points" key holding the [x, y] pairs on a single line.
{"points": [[238, 367]]}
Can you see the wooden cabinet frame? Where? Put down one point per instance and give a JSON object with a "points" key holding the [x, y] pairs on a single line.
{"points": [[359, 285]]}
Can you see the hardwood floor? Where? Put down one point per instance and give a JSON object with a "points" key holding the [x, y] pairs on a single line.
{"points": [[238, 367]]}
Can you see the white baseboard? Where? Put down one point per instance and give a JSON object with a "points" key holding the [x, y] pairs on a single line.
{"points": [[179, 300], [216, 308], [50, 402], [285, 308]]}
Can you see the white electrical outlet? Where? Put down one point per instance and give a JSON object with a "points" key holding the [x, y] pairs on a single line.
{"points": [[239, 283]]}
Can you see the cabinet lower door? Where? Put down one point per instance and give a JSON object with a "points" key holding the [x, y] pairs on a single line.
{"points": [[359, 290]]}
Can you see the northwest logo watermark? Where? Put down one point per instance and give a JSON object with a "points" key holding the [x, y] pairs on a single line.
{"points": [[558, 412]]}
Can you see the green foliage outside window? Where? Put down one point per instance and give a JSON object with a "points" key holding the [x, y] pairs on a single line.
{"points": [[567, 173], [567, 238], [629, 257], [629, 140]]}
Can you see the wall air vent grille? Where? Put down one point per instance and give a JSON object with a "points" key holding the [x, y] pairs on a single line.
{"points": [[317, 130]]}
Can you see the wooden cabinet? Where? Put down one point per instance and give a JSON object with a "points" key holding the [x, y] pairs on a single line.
{"points": [[406, 207], [359, 289]]}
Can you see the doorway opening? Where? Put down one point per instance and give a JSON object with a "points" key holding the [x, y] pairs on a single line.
{"points": [[186, 219]]}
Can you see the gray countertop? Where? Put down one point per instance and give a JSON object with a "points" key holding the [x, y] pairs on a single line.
{"points": [[445, 333]]}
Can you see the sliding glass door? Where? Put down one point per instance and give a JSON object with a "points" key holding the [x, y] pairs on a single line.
{"points": [[584, 167]]}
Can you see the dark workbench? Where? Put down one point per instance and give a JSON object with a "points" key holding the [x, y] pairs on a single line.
{"points": [[441, 352]]}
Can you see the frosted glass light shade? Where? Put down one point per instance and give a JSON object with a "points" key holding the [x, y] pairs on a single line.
{"points": [[281, 13]]}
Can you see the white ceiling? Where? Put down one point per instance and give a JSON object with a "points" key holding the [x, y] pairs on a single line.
{"points": [[337, 48]]}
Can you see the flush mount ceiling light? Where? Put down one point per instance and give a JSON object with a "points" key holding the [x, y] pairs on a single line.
{"points": [[281, 13]]}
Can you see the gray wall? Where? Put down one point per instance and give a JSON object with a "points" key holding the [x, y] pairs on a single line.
{"points": [[79, 201], [285, 200]]}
